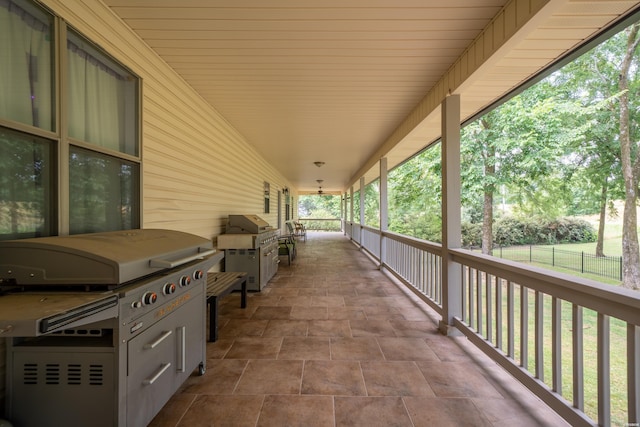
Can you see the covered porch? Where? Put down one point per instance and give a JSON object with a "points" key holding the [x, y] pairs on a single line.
{"points": [[334, 341]]}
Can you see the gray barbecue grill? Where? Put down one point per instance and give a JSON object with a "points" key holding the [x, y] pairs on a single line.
{"points": [[251, 245], [102, 328]]}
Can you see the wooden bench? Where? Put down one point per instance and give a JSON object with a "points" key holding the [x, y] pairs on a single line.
{"points": [[219, 285]]}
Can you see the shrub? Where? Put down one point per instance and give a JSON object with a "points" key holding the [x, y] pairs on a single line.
{"points": [[512, 231], [471, 235]]}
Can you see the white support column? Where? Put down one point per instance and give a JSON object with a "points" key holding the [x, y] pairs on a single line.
{"points": [[351, 205], [361, 202], [384, 210], [451, 215], [343, 212]]}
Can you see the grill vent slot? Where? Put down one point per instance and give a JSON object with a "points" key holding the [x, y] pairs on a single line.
{"points": [[54, 374], [30, 374], [96, 374], [74, 374]]}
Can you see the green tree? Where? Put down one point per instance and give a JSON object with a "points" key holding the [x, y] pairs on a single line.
{"points": [[415, 196], [629, 146], [597, 178], [372, 204], [319, 206], [518, 146], [608, 74]]}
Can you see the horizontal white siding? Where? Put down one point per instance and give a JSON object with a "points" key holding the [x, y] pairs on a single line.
{"points": [[197, 169]]}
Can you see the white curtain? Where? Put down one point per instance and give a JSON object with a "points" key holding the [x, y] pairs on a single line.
{"points": [[25, 66], [96, 101]]}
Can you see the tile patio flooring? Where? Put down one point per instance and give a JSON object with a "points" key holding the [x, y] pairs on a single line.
{"points": [[332, 341]]}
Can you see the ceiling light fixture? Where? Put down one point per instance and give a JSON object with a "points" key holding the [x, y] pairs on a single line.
{"points": [[318, 164]]}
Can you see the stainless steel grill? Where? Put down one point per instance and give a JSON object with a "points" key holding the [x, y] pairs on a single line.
{"points": [[251, 245], [102, 328]]}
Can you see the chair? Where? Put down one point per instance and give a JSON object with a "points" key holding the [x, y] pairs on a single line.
{"points": [[297, 229], [301, 230], [287, 246]]}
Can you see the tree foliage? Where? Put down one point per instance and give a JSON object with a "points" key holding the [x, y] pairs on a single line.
{"points": [[415, 196], [319, 206]]}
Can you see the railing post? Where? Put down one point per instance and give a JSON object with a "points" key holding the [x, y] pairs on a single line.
{"points": [[451, 216]]}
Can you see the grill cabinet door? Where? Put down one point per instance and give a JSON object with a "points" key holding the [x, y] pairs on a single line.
{"points": [[161, 358]]}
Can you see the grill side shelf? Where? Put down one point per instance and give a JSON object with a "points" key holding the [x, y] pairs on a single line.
{"points": [[55, 322], [29, 314]]}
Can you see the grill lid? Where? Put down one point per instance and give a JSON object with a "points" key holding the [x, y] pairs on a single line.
{"points": [[109, 258], [247, 224]]}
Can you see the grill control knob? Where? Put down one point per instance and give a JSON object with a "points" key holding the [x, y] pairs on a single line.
{"points": [[198, 274], [185, 281], [169, 288], [149, 298]]}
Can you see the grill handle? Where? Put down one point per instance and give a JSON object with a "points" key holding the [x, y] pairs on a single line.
{"points": [[165, 263], [153, 378], [152, 345]]}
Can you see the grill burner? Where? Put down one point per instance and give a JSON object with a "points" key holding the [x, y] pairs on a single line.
{"points": [[129, 304]]}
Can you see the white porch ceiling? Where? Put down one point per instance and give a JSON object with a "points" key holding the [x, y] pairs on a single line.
{"points": [[330, 80]]}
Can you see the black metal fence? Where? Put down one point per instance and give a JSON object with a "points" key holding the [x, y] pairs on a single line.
{"points": [[606, 266]]}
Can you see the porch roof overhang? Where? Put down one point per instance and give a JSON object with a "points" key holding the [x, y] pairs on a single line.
{"points": [[348, 82]]}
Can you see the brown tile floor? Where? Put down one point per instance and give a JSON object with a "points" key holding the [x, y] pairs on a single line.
{"points": [[331, 341]]}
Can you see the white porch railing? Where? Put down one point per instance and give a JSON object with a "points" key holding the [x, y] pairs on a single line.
{"points": [[535, 323], [322, 224], [370, 241]]}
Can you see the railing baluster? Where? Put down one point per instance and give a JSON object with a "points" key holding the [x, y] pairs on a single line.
{"points": [[510, 320], [437, 263], [578, 356], [422, 270], [479, 301], [556, 344], [524, 327], [604, 375], [471, 300], [499, 312], [539, 334], [633, 372], [489, 301], [464, 294], [428, 273]]}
